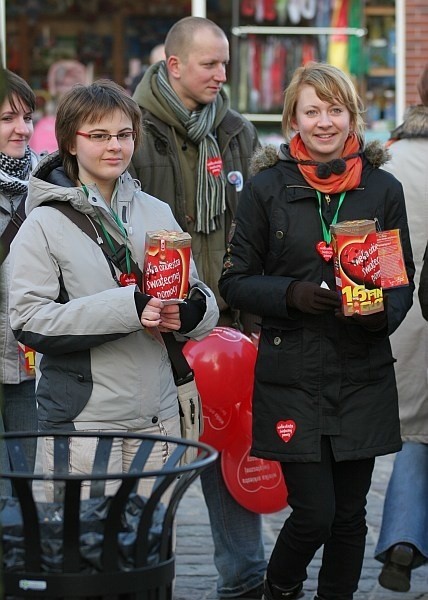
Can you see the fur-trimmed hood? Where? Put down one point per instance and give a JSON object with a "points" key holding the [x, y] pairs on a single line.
{"points": [[267, 156], [415, 124]]}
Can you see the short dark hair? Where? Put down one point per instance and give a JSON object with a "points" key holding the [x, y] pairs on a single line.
{"points": [[90, 103], [14, 88]]}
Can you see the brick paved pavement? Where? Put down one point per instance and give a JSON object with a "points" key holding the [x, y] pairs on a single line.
{"points": [[196, 574]]}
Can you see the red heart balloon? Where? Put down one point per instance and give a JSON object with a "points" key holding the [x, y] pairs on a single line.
{"points": [[220, 426], [223, 363], [257, 484]]}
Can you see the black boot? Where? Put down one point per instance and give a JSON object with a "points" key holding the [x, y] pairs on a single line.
{"points": [[396, 571], [275, 592]]}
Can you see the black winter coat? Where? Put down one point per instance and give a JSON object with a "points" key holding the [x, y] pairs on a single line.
{"points": [[315, 375]]}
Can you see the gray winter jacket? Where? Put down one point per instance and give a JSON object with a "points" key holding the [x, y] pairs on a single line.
{"points": [[99, 365], [408, 162]]}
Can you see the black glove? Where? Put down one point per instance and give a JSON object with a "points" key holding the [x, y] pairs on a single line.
{"points": [[191, 313], [311, 298]]}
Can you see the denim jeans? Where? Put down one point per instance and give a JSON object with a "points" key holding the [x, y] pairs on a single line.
{"points": [[237, 535], [328, 500], [20, 414], [405, 509]]}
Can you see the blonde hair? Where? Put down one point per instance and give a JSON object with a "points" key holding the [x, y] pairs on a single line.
{"points": [[331, 85]]}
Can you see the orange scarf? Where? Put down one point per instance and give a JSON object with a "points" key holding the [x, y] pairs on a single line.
{"points": [[348, 180]]}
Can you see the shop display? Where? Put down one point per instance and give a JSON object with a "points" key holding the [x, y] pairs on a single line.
{"points": [[381, 63], [272, 39], [269, 40], [105, 36]]}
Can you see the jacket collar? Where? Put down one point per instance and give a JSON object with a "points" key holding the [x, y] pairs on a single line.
{"points": [[415, 124], [375, 153], [49, 180]]}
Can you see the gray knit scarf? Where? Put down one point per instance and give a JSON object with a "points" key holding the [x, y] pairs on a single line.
{"points": [[211, 187]]}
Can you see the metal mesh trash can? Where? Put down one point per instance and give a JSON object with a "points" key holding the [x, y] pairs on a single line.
{"points": [[110, 546]]}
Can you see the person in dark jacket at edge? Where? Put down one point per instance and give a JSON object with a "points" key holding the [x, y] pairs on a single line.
{"points": [[325, 397], [194, 155]]}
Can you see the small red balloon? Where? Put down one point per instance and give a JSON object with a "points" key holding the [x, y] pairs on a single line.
{"points": [[257, 484], [223, 363]]}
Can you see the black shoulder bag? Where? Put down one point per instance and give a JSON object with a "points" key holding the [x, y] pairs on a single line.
{"points": [[16, 220]]}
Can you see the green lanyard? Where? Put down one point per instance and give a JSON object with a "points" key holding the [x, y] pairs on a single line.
{"points": [[125, 237], [326, 234], [107, 235]]}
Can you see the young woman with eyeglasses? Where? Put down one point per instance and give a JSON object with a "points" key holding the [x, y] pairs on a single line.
{"points": [[104, 366]]}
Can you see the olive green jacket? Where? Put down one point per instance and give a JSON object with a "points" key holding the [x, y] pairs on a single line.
{"points": [[166, 163]]}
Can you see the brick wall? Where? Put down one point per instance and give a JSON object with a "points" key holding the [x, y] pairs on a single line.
{"points": [[416, 29]]}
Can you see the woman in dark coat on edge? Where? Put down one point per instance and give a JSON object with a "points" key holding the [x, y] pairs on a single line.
{"points": [[325, 398]]}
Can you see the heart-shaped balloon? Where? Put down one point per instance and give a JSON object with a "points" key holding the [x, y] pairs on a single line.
{"points": [[257, 484], [286, 430], [324, 250], [223, 363], [220, 425]]}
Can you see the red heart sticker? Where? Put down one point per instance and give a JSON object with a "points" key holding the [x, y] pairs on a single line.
{"points": [[286, 430], [325, 250], [215, 165], [127, 279]]}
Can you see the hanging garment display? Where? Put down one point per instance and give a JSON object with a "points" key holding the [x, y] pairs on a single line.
{"points": [[338, 47]]}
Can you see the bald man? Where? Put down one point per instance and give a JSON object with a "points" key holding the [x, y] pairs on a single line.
{"points": [[194, 155]]}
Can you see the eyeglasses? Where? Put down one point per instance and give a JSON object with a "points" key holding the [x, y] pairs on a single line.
{"points": [[124, 136]]}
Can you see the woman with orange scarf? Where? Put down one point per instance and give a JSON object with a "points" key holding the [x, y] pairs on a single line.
{"points": [[325, 398]]}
